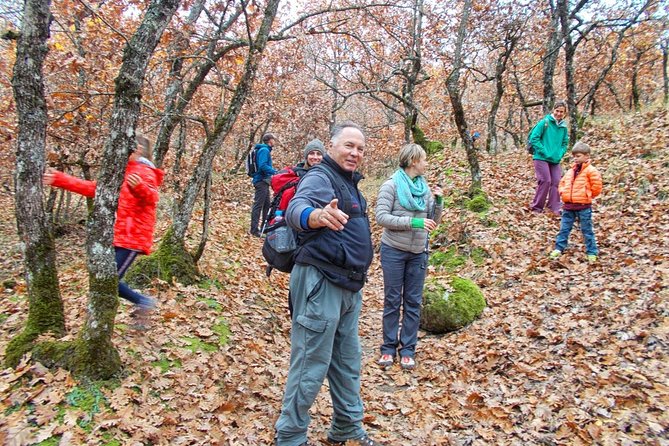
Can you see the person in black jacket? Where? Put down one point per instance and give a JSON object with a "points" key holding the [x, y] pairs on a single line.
{"points": [[325, 288]]}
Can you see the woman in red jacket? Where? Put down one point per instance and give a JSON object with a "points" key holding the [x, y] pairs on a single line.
{"points": [[135, 217]]}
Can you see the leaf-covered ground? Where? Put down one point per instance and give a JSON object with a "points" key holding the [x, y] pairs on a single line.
{"points": [[565, 353]]}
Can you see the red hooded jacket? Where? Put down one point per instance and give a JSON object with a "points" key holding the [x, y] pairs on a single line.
{"points": [[136, 213]]}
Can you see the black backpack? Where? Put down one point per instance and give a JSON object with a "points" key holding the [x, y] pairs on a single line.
{"points": [[529, 147], [252, 162], [281, 242]]}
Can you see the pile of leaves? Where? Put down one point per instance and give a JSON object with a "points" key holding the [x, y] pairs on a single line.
{"points": [[565, 353]]}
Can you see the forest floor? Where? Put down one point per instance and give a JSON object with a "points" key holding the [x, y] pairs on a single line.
{"points": [[565, 353]]}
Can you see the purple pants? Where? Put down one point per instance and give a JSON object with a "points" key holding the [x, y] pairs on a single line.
{"points": [[548, 180]]}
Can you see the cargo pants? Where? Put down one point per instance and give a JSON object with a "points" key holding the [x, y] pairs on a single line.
{"points": [[324, 342]]}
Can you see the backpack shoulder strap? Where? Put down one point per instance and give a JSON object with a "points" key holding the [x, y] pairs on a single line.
{"points": [[342, 191]]}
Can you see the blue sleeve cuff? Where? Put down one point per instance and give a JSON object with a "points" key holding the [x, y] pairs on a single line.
{"points": [[304, 217]]}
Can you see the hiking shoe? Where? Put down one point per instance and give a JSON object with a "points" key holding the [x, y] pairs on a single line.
{"points": [[408, 363], [386, 360], [554, 254], [362, 441], [592, 258]]}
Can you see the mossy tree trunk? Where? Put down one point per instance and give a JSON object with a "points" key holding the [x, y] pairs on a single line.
{"points": [[454, 93], [226, 118], [45, 310], [94, 354]]}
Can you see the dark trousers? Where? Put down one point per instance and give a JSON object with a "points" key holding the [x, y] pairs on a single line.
{"points": [[124, 258], [403, 280], [260, 206]]}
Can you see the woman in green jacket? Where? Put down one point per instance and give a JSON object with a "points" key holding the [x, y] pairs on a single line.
{"points": [[549, 138]]}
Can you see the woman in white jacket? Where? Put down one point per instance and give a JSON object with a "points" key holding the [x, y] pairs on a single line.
{"points": [[407, 211]]}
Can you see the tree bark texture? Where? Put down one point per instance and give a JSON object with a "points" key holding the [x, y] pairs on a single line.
{"points": [[453, 87], [569, 53], [665, 74], [550, 61], [45, 311], [95, 355], [179, 96], [511, 36], [412, 70], [223, 125]]}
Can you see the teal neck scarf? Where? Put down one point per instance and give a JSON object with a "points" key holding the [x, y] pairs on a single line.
{"points": [[411, 193]]}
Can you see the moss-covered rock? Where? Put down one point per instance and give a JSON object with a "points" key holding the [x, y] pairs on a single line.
{"points": [[450, 306], [170, 260], [479, 203]]}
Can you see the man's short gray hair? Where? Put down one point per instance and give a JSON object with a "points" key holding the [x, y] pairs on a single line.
{"points": [[340, 126]]}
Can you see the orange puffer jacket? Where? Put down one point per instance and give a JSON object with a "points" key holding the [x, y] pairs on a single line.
{"points": [[136, 213], [582, 188]]}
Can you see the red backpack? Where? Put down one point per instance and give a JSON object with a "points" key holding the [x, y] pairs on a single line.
{"points": [[284, 186]]}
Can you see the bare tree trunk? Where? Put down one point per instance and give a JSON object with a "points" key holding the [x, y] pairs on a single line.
{"points": [[45, 311], [590, 95], [175, 87], [665, 75], [453, 87], [180, 263], [94, 353], [178, 97], [512, 34], [615, 94], [550, 61], [205, 220], [569, 53], [412, 71], [635, 96]]}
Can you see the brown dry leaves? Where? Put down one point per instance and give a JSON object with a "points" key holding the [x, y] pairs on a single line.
{"points": [[566, 353]]}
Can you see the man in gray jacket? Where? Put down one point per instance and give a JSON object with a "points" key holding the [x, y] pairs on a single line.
{"points": [[330, 270]]}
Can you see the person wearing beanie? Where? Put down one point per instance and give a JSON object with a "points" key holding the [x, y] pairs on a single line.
{"points": [[313, 153]]}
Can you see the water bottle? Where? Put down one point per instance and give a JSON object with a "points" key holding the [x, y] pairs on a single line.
{"points": [[278, 216]]}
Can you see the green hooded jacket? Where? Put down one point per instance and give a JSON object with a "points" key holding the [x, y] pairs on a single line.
{"points": [[550, 141]]}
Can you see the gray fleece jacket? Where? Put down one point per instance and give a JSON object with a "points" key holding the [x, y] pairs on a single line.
{"points": [[396, 220]]}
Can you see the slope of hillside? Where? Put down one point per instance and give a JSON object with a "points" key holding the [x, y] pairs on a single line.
{"points": [[565, 353]]}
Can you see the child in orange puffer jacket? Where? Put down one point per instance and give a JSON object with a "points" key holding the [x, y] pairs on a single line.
{"points": [[577, 188], [135, 218]]}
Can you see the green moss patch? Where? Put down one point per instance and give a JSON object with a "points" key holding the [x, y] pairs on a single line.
{"points": [[478, 256], [478, 203], [222, 330], [430, 147], [450, 260], [198, 345], [170, 261], [450, 305], [166, 364]]}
